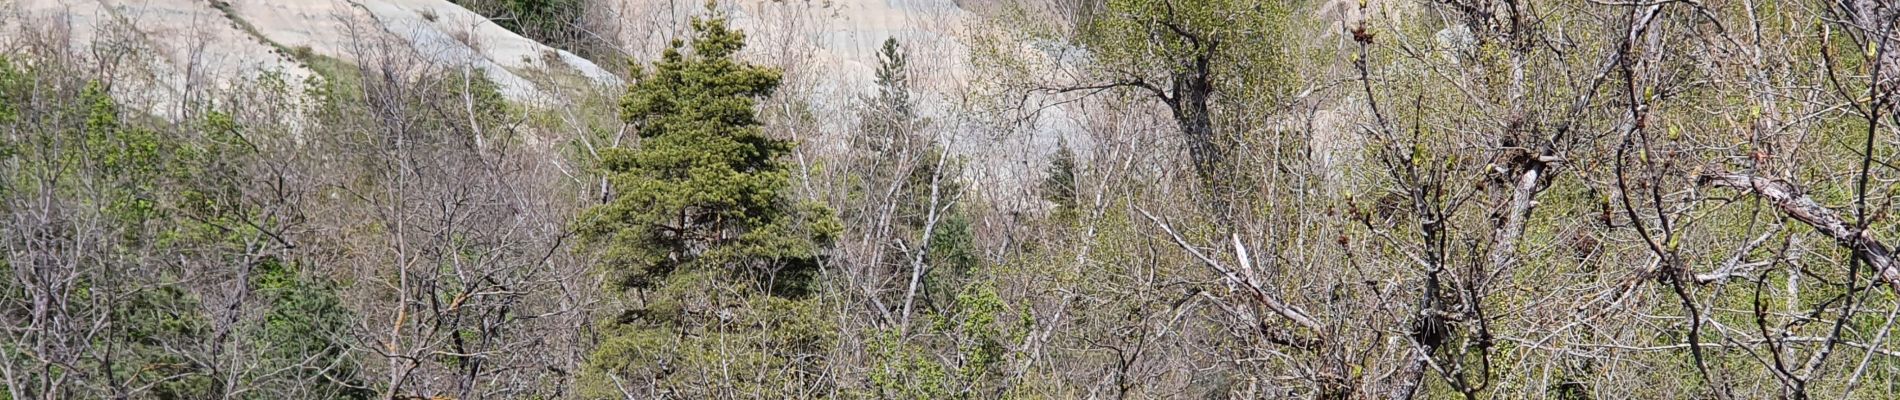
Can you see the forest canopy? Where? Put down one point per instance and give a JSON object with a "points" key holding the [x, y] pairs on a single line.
{"points": [[1030, 199]]}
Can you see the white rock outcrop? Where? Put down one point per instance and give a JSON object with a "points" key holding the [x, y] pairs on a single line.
{"points": [[191, 47]]}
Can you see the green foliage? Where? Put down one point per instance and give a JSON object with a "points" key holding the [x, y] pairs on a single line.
{"points": [[958, 356], [903, 167], [1059, 186], [13, 87], [892, 108], [1245, 43], [86, 150], [147, 323], [152, 203], [305, 320], [891, 149], [953, 246], [706, 188], [557, 23], [703, 229], [1159, 31]]}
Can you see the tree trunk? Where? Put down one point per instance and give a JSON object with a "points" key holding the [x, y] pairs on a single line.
{"points": [[1192, 90]]}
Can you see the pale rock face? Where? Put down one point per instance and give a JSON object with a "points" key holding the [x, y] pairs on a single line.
{"points": [[434, 31], [838, 39], [171, 52], [187, 49], [193, 46], [828, 50], [196, 46]]}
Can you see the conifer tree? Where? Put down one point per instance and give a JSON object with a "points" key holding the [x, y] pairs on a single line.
{"points": [[910, 184], [718, 262], [1059, 186], [899, 165], [893, 81]]}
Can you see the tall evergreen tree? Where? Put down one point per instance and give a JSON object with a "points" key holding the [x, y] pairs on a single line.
{"points": [[899, 165], [905, 193], [718, 261], [890, 148], [893, 81]]}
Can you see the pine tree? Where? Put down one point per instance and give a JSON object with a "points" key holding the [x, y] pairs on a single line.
{"points": [[1059, 186], [891, 148], [910, 181], [718, 261], [888, 121], [893, 80], [893, 151]]}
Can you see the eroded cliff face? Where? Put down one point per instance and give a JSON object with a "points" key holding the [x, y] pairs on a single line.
{"points": [[189, 46], [162, 53], [828, 50], [169, 57], [175, 52], [834, 42]]}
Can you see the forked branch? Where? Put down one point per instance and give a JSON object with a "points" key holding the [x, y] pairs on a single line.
{"points": [[1792, 201]]}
